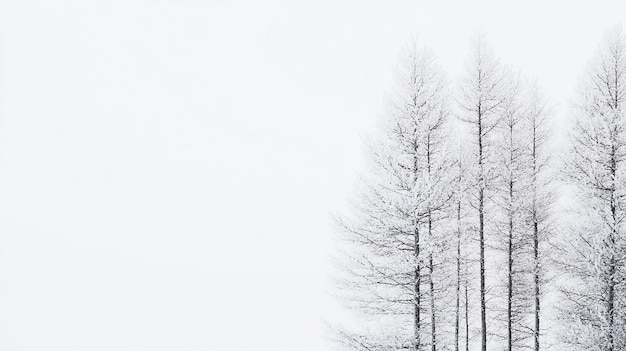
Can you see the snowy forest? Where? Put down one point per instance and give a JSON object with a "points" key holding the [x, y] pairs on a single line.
{"points": [[474, 226], [279, 175]]}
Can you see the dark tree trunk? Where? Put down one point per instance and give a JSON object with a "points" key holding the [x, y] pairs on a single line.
{"points": [[537, 300], [481, 233], [510, 248], [418, 274], [458, 278], [417, 281], [510, 285], [466, 310], [536, 241]]}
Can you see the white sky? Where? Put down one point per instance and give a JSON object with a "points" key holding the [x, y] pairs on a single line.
{"points": [[167, 167]]}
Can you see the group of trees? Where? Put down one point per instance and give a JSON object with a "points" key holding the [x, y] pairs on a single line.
{"points": [[452, 241]]}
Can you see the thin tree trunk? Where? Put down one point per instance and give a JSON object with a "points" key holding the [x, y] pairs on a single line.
{"points": [[466, 309], [510, 282], [612, 237], [611, 304], [417, 281], [458, 278], [536, 240], [537, 301], [483, 307], [510, 248], [611, 292], [418, 277], [433, 324], [481, 233]]}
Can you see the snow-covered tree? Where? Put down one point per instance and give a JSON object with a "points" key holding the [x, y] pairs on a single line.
{"points": [[445, 229], [458, 216], [481, 101], [393, 265], [512, 300], [594, 309], [540, 200], [523, 199]]}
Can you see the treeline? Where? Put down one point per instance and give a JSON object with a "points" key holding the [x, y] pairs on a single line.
{"points": [[455, 239]]}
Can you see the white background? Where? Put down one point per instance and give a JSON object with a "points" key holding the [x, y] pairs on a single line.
{"points": [[167, 168]]}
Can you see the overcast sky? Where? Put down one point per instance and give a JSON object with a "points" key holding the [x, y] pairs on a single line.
{"points": [[167, 168]]}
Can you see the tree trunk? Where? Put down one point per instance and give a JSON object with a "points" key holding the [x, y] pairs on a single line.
{"points": [[458, 278], [433, 339], [466, 310], [481, 233], [510, 285], [510, 248], [417, 281], [536, 240], [537, 301]]}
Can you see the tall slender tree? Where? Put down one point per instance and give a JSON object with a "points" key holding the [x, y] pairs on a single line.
{"points": [[595, 295], [524, 199], [390, 269], [512, 188], [481, 103], [458, 215], [537, 112], [407, 266]]}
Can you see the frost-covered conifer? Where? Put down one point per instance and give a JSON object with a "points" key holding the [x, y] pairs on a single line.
{"points": [[594, 308], [394, 259], [482, 100]]}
